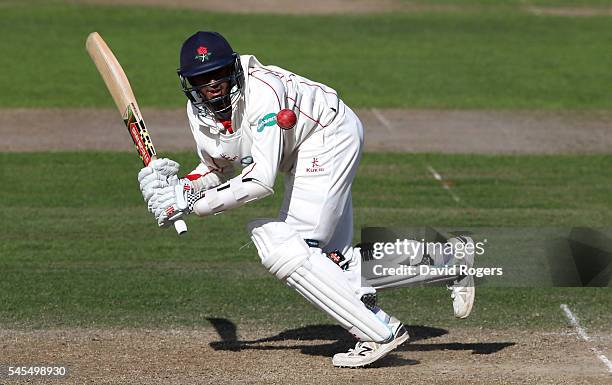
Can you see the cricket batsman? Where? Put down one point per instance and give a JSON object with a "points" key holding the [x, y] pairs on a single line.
{"points": [[250, 122]]}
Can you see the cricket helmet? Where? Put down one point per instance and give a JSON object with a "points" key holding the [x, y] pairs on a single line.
{"points": [[205, 52]]}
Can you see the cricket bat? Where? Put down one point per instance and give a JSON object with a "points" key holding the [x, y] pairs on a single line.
{"points": [[119, 87]]}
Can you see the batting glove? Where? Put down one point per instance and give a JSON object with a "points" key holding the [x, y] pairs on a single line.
{"points": [[158, 174], [172, 202]]}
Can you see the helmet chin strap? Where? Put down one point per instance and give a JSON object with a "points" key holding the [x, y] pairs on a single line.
{"points": [[220, 107], [225, 114]]}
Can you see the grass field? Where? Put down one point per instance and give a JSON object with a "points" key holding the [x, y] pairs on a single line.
{"points": [[86, 276], [79, 248], [482, 59]]}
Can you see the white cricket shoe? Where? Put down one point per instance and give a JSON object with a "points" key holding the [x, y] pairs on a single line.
{"points": [[365, 353], [463, 289]]}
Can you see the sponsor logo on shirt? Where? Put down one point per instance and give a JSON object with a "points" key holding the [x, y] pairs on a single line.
{"points": [[315, 166], [266, 121]]}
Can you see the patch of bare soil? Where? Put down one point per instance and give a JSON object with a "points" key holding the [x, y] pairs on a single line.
{"points": [[447, 131], [488, 131], [313, 7], [223, 355], [584, 11], [323, 7]]}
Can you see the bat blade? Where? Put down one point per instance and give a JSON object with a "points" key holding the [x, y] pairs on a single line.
{"points": [[111, 71], [120, 89]]}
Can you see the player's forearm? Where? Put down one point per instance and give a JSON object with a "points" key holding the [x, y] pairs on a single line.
{"points": [[205, 177], [234, 193]]}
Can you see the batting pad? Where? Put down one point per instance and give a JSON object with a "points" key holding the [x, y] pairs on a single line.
{"points": [[285, 254]]}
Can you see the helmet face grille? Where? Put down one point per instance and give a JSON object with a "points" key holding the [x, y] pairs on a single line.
{"points": [[205, 52], [220, 106]]}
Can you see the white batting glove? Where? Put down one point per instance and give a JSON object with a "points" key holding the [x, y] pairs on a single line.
{"points": [[172, 202], [158, 174]]}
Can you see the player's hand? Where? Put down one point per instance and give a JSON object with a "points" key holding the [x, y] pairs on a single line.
{"points": [[158, 174], [172, 202]]}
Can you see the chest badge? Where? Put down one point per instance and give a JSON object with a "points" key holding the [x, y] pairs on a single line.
{"points": [[315, 166]]}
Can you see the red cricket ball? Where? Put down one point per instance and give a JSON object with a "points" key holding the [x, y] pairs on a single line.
{"points": [[286, 119]]}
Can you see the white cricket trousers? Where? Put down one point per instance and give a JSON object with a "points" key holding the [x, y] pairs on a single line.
{"points": [[317, 201]]}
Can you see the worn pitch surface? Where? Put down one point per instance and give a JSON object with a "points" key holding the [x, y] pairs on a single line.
{"points": [[446, 131], [302, 356]]}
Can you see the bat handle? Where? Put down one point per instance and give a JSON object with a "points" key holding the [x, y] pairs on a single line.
{"points": [[180, 226]]}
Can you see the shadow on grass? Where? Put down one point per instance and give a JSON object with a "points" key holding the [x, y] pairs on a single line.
{"points": [[341, 341]]}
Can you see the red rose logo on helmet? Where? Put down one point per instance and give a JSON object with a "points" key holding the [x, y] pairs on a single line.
{"points": [[203, 53]]}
